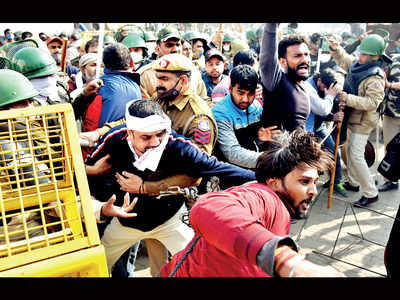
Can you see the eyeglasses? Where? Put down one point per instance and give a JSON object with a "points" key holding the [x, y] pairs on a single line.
{"points": [[54, 47]]}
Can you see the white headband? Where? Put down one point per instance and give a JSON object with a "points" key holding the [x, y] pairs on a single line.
{"points": [[151, 158], [148, 124]]}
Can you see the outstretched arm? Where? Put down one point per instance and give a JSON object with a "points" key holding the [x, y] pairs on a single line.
{"points": [[269, 65]]}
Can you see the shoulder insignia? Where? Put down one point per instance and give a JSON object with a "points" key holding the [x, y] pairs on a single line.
{"points": [[202, 136], [203, 125]]}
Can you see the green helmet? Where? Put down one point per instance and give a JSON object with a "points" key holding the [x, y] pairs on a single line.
{"points": [[149, 37], [194, 35], [237, 45], [259, 32], [372, 44], [227, 38], [383, 33], [15, 87], [108, 39], [251, 35], [11, 48], [134, 40], [33, 62]]}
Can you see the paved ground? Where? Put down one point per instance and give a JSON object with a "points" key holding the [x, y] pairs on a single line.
{"points": [[348, 238]]}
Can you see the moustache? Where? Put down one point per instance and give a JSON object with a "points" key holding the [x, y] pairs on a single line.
{"points": [[302, 65], [309, 200], [160, 89]]}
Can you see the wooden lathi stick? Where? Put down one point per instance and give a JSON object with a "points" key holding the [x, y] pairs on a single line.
{"points": [[333, 172]]}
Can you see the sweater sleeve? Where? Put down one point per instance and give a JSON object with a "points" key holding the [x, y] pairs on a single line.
{"points": [[232, 150], [270, 70], [231, 225], [197, 163], [319, 106], [342, 58]]}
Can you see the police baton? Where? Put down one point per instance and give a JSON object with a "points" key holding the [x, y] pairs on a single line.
{"points": [[339, 125], [63, 62]]}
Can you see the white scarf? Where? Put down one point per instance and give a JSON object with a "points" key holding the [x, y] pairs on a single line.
{"points": [[47, 86], [151, 158]]}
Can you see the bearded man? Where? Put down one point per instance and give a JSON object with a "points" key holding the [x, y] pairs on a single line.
{"points": [[283, 68], [55, 45], [190, 114], [243, 231]]}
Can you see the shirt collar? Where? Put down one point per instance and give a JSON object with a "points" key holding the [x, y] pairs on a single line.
{"points": [[183, 99], [250, 109]]}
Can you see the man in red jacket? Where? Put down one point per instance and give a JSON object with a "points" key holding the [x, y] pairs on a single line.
{"points": [[243, 231]]}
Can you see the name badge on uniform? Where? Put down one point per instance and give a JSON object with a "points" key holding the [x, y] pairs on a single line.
{"points": [[202, 133]]}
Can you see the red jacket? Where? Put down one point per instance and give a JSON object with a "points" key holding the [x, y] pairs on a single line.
{"points": [[234, 225]]}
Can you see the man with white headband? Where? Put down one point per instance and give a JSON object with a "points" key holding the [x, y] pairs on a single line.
{"points": [[147, 147]]}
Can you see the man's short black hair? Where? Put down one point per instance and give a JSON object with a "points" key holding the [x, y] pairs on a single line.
{"points": [[116, 56], [26, 34], [327, 76], [90, 43], [143, 108], [287, 42], [244, 57], [245, 76]]}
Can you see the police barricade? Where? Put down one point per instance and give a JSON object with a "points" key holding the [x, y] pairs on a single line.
{"points": [[47, 226]]}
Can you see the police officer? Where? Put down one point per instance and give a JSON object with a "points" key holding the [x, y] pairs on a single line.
{"points": [[363, 91], [137, 48], [41, 69], [190, 114], [199, 47], [16, 91], [168, 41], [252, 39]]}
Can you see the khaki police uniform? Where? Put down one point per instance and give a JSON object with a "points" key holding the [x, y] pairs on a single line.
{"points": [[190, 115], [148, 82], [371, 92]]}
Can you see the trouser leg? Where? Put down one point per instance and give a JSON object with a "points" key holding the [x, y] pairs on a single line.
{"points": [[358, 170], [158, 255]]}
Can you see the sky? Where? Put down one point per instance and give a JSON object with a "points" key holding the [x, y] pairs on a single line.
{"points": [[35, 28]]}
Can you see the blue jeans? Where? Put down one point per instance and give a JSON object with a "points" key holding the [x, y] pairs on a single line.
{"points": [[329, 144], [125, 265]]}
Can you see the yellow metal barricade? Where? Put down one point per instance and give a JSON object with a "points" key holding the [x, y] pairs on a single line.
{"points": [[47, 225]]}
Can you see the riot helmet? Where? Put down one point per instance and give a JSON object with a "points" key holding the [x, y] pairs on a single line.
{"points": [[15, 87], [33, 63]]}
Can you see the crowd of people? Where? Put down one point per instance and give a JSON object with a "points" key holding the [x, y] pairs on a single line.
{"points": [[249, 122]]}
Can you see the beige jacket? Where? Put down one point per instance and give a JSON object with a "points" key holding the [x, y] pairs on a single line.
{"points": [[371, 91]]}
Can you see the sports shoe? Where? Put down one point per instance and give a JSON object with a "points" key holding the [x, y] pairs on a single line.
{"points": [[349, 187], [339, 188], [387, 186]]}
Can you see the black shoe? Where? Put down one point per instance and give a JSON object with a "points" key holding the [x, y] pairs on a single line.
{"points": [[364, 201], [387, 186], [349, 187], [326, 184]]}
